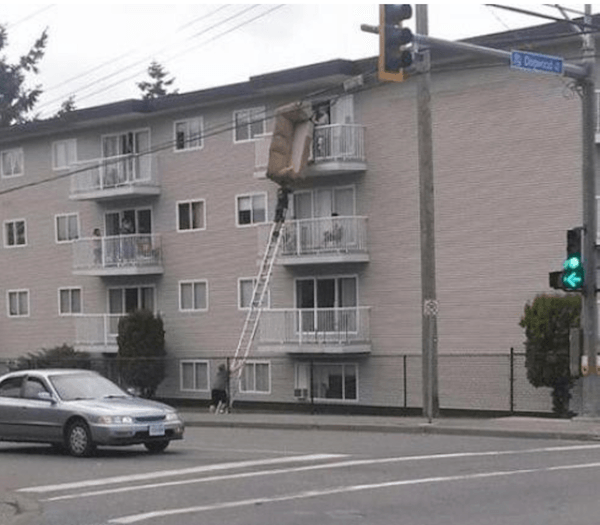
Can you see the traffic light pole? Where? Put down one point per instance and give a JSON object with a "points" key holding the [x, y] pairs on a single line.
{"points": [[427, 221], [589, 317]]}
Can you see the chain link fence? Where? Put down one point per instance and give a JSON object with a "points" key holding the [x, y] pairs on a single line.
{"points": [[466, 382]]}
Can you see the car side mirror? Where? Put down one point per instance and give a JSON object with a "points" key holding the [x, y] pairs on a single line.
{"points": [[45, 396]]}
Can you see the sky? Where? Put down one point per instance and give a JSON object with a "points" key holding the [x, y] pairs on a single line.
{"points": [[97, 53]]}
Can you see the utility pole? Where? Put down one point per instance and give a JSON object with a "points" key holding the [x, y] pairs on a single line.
{"points": [[427, 224], [589, 317]]}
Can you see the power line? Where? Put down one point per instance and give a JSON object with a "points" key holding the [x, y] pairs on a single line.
{"points": [[113, 60], [134, 64]]}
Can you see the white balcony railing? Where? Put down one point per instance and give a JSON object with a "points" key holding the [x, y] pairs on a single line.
{"points": [[137, 250], [315, 325], [97, 330], [334, 142], [339, 142], [111, 173], [324, 235]]}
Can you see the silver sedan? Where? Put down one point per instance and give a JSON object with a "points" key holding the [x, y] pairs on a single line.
{"points": [[80, 409]]}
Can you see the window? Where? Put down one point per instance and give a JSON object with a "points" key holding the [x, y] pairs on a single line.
{"points": [[188, 134], [193, 296], [64, 154], [67, 227], [248, 124], [18, 303], [256, 377], [191, 215], [69, 301], [15, 233], [11, 162], [330, 380], [245, 289], [11, 387], [194, 375], [252, 209]]}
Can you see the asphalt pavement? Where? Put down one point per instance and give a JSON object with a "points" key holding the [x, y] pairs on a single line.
{"points": [[19, 511]]}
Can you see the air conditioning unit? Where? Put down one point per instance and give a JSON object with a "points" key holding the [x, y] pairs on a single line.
{"points": [[300, 393]]}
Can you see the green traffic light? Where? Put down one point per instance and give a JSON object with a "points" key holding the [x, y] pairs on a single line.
{"points": [[572, 276], [572, 263]]}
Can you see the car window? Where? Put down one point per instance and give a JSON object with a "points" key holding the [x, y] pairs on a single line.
{"points": [[85, 386], [11, 387], [33, 386]]}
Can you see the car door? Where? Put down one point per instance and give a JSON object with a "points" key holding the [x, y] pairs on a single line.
{"points": [[38, 415], [10, 404]]}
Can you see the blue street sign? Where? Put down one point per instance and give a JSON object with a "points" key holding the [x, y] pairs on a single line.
{"points": [[536, 62]]}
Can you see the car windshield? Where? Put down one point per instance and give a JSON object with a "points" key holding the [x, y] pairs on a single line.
{"points": [[84, 386]]}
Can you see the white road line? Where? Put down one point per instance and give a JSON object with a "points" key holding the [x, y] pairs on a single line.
{"points": [[178, 472], [341, 464], [135, 518]]}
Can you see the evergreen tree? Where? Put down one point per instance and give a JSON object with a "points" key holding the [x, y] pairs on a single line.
{"points": [[66, 107], [17, 100], [158, 84], [547, 322], [142, 356]]}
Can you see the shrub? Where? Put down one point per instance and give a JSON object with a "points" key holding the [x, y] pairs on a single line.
{"points": [[547, 322], [142, 357], [64, 356]]}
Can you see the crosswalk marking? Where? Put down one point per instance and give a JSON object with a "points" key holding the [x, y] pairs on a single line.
{"points": [[135, 518], [178, 472]]}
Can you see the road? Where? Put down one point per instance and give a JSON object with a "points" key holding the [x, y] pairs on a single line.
{"points": [[263, 477]]}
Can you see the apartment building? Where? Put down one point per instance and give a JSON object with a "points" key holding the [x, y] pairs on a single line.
{"points": [[164, 205]]}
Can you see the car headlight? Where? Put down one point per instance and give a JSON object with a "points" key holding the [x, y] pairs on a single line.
{"points": [[115, 420], [172, 416]]}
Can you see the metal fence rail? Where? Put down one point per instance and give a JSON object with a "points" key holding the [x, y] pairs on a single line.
{"points": [[469, 382]]}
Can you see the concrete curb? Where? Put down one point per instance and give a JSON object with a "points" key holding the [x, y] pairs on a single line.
{"points": [[424, 428]]}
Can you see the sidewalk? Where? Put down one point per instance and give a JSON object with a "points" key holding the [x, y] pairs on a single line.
{"points": [[513, 426]]}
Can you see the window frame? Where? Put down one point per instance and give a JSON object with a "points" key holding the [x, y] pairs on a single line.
{"points": [[56, 228], [251, 364], [71, 154], [252, 210], [313, 393], [190, 202], [241, 280], [256, 110], [14, 221], [18, 292], [193, 363], [70, 289], [192, 282], [21, 163], [187, 138]]}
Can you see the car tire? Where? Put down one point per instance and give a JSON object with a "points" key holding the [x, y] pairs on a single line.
{"points": [[156, 447], [78, 439]]}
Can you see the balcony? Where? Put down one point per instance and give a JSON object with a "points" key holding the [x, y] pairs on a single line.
{"points": [[115, 177], [337, 148], [322, 331], [97, 333], [324, 240], [139, 254]]}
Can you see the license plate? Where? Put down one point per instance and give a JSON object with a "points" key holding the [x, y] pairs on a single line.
{"points": [[156, 430]]}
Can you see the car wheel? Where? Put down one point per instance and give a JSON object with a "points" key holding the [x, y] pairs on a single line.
{"points": [[156, 447], [78, 439]]}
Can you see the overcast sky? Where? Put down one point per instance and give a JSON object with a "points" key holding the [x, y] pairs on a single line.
{"points": [[98, 52]]}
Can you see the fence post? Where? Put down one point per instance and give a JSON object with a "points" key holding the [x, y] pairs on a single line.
{"points": [[512, 380], [405, 381], [312, 393]]}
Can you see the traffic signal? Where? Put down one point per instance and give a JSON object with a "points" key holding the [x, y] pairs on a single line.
{"points": [[572, 275], [393, 58]]}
